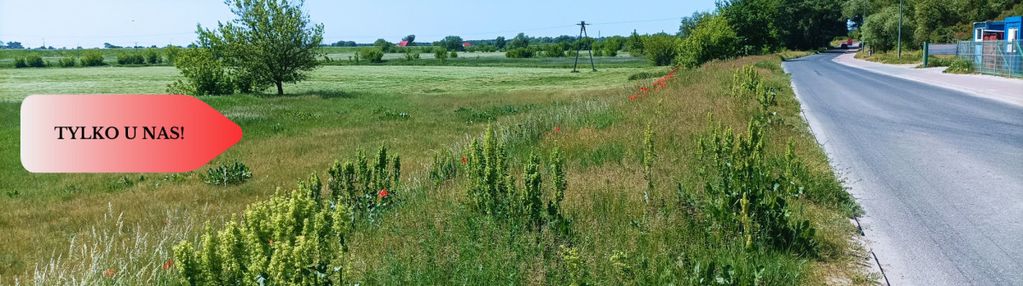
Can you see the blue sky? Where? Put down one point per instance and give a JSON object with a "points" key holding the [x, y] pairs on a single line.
{"points": [[160, 22]]}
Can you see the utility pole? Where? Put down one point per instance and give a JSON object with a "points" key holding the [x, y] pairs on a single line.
{"points": [[900, 29], [582, 32]]}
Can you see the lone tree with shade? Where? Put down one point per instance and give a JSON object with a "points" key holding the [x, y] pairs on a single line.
{"points": [[271, 42]]}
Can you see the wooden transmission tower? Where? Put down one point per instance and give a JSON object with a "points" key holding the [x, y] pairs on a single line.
{"points": [[582, 33]]}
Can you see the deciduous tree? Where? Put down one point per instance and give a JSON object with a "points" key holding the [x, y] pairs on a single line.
{"points": [[270, 42]]}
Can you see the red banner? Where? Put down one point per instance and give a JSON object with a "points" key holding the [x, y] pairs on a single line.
{"points": [[121, 133]]}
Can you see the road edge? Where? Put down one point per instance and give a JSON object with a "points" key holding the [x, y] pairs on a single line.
{"points": [[874, 265]]}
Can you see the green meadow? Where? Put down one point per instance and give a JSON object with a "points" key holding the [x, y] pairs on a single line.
{"points": [[637, 176]]}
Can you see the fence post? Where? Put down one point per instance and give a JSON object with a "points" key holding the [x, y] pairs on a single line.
{"points": [[926, 53]]}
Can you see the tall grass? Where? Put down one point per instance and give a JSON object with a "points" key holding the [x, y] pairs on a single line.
{"points": [[113, 252], [647, 204]]}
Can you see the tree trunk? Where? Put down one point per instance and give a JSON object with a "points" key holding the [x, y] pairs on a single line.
{"points": [[280, 87]]}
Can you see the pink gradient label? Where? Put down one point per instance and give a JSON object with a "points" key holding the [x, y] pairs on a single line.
{"points": [[121, 133]]}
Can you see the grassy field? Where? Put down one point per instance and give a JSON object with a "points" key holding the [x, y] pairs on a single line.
{"points": [[344, 56], [628, 226]]}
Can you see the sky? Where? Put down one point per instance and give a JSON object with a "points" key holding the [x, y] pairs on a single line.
{"points": [[73, 23]]}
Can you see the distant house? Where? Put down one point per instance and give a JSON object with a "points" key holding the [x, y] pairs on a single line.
{"points": [[403, 43], [466, 44]]}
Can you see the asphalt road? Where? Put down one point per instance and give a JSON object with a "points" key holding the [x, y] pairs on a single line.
{"points": [[939, 173]]}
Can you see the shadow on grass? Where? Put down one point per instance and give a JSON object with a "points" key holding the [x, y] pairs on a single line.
{"points": [[322, 93]]}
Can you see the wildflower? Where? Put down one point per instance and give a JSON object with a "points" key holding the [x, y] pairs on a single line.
{"points": [[557, 129], [109, 273], [644, 89], [632, 97], [168, 264], [382, 194], [464, 160]]}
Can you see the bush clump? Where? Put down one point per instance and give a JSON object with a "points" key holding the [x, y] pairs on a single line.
{"points": [[748, 196], [713, 38], [153, 57], [290, 239], [33, 61], [492, 190], [554, 51], [295, 238], [227, 174], [660, 49], [646, 75], [373, 55], [960, 66], [92, 59], [67, 62], [204, 75], [519, 53], [131, 59], [440, 53]]}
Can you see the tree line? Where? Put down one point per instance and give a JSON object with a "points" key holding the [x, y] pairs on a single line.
{"points": [[876, 22]]}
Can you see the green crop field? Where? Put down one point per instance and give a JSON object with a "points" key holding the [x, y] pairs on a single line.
{"points": [[627, 225]]}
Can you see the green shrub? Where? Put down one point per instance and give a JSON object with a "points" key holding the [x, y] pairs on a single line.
{"points": [[519, 53], [153, 57], [290, 239], [363, 188], [881, 29], [67, 62], [172, 53], [960, 66], [747, 84], [20, 63], [610, 52], [440, 54], [227, 174], [35, 61], [411, 54], [492, 191], [131, 59], [646, 75], [453, 55], [746, 194], [204, 74], [444, 167], [373, 55], [660, 49], [713, 38], [554, 51], [92, 59]]}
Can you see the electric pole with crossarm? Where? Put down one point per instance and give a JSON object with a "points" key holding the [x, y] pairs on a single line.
{"points": [[582, 33]]}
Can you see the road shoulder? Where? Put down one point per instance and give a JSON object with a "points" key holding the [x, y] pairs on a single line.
{"points": [[985, 86]]}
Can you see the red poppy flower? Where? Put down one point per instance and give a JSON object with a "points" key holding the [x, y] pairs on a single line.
{"points": [[644, 89], [168, 264], [382, 194], [464, 161], [109, 273], [632, 98], [557, 129]]}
